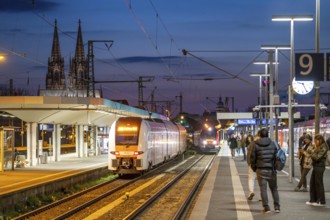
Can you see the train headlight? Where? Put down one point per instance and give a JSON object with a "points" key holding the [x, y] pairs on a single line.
{"points": [[214, 142], [205, 142], [114, 152], [138, 152]]}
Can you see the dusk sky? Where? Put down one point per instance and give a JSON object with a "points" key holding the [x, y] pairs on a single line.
{"points": [[148, 39]]}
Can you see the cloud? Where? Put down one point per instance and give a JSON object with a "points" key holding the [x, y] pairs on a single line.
{"points": [[15, 6], [199, 77], [12, 31], [145, 59]]}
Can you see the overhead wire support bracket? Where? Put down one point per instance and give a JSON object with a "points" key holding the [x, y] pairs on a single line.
{"points": [[90, 65]]}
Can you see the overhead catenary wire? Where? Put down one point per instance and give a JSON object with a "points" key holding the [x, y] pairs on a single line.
{"points": [[147, 35], [186, 52]]}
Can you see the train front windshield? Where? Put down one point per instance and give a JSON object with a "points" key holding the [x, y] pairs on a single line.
{"points": [[127, 135], [208, 134]]}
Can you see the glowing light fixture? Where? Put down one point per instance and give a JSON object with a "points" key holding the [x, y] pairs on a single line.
{"points": [[292, 18]]}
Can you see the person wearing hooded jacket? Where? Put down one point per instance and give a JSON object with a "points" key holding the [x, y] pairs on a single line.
{"points": [[262, 162], [305, 162], [318, 155]]}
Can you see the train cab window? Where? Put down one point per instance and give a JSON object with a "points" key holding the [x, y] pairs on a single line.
{"points": [[126, 139], [208, 134]]}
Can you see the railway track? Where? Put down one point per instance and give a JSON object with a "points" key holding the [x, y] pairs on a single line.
{"points": [[70, 205], [173, 200], [63, 207]]}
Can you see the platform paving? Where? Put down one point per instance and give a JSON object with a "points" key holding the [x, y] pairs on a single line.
{"points": [[225, 191]]}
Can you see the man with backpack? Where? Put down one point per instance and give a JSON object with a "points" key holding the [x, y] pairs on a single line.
{"points": [[263, 155]]}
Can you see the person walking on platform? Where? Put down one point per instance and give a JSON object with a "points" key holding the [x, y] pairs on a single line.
{"points": [[232, 145], [262, 162], [251, 173], [319, 155], [301, 141], [238, 149], [243, 146], [248, 139], [305, 162]]}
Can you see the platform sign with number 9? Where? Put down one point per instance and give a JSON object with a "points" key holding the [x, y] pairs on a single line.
{"points": [[309, 67]]}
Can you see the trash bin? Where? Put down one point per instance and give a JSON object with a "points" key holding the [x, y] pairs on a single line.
{"points": [[43, 158]]}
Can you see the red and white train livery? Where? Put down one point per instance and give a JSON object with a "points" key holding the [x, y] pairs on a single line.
{"points": [[300, 127]]}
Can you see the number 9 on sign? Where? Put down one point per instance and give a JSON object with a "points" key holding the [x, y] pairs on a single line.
{"points": [[309, 66], [306, 63]]}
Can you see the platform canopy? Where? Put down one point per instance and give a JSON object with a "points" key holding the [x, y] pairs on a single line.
{"points": [[69, 110]]}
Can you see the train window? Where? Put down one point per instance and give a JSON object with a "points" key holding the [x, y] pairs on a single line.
{"points": [[127, 139], [208, 134]]}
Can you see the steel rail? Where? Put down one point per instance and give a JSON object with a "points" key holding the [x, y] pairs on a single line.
{"points": [[188, 200], [134, 214]]}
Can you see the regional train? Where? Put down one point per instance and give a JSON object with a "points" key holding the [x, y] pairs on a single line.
{"points": [[300, 127], [137, 144], [206, 139]]}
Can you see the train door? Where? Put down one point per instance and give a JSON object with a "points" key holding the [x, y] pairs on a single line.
{"points": [[7, 149]]}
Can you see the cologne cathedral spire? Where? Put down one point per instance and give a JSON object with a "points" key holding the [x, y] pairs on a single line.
{"points": [[78, 65], [55, 79]]}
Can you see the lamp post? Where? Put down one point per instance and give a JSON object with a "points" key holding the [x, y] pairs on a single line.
{"points": [[317, 83], [269, 71], [260, 75], [292, 19], [276, 101]]}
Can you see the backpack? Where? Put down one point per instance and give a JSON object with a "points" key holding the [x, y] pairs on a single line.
{"points": [[280, 158]]}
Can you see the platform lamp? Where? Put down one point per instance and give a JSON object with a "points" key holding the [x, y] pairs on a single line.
{"points": [[269, 71], [276, 100], [292, 19], [317, 83], [260, 75]]}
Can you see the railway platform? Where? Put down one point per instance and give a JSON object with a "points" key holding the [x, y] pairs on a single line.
{"points": [[23, 182], [225, 191], [25, 177]]}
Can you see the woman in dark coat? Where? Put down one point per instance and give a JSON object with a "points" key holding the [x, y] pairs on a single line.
{"points": [[319, 155]]}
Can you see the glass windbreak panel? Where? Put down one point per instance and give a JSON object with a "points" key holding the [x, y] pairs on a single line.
{"points": [[8, 151]]}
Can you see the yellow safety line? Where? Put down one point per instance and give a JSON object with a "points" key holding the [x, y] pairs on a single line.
{"points": [[242, 207]]}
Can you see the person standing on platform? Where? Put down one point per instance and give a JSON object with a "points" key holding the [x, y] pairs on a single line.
{"points": [[305, 162], [319, 156], [262, 162], [251, 173], [238, 149], [248, 139], [301, 141], [243, 146], [232, 145]]}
